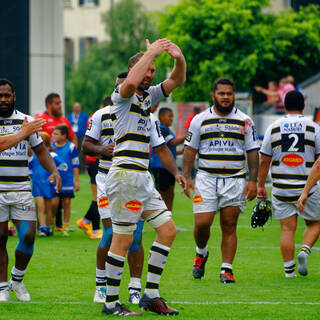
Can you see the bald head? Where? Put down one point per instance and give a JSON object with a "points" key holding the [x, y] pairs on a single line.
{"points": [[76, 108]]}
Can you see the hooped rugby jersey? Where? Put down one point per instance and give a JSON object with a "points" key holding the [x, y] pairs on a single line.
{"points": [[100, 128], [134, 131], [222, 142], [293, 142], [14, 161]]}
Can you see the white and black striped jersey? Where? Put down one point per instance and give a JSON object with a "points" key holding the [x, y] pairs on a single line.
{"points": [[222, 142], [100, 128], [293, 142], [134, 131], [14, 161]]}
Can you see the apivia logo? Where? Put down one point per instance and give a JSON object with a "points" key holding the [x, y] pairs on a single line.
{"points": [[293, 127]]}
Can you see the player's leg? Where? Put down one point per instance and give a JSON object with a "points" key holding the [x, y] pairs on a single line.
{"points": [[41, 215], [49, 216], [288, 229], [102, 254], [166, 231], [135, 261], [228, 223], [66, 205], [311, 215], [4, 285]]}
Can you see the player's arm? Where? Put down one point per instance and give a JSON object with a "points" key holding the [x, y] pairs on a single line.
{"points": [[74, 140], [189, 155], [139, 70], [253, 165], [47, 163], [262, 175], [176, 141], [314, 176], [27, 129], [76, 183], [93, 148], [178, 74], [168, 161]]}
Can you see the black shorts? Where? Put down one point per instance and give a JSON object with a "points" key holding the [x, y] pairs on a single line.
{"points": [[92, 171], [65, 195], [163, 178]]}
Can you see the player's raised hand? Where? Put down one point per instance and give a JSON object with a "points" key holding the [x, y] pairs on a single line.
{"points": [[174, 51], [30, 128], [158, 46]]}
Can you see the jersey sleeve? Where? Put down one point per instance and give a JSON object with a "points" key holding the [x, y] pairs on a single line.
{"points": [[317, 138], [157, 93], [156, 138], [251, 140], [118, 101], [266, 148], [166, 134], [94, 127], [193, 135], [74, 156], [34, 140]]}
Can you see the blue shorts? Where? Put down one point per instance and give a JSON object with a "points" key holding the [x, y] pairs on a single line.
{"points": [[43, 189]]}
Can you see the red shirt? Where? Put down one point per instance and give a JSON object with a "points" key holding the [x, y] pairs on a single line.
{"points": [[52, 122]]}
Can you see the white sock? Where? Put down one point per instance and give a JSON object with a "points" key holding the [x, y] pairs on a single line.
{"points": [[202, 251], [135, 283]]}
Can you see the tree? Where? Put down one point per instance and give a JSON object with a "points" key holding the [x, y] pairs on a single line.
{"points": [[127, 26], [236, 39]]}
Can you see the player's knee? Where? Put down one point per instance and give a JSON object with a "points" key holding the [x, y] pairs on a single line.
{"points": [[106, 237], [159, 218], [26, 238]]}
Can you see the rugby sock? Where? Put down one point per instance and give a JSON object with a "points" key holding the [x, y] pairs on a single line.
{"points": [[202, 251], [306, 249], [289, 267], [226, 267], [156, 263], [16, 274], [114, 270], [4, 286], [95, 216], [135, 283], [101, 277]]}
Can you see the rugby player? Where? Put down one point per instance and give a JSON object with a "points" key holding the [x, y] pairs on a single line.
{"points": [[291, 145], [16, 201], [129, 185], [221, 135]]}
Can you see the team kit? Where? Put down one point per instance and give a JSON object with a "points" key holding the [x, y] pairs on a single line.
{"points": [[230, 172]]}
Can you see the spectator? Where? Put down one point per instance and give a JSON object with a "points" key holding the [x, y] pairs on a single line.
{"points": [[78, 121], [70, 175], [164, 180], [196, 110]]}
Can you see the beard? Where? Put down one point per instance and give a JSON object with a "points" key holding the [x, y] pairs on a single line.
{"points": [[224, 110], [6, 109], [144, 85], [56, 113]]}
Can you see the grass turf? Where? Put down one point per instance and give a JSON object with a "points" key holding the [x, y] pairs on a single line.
{"points": [[61, 274]]}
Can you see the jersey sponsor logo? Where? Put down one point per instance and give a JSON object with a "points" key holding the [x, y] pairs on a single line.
{"points": [[197, 199], [188, 136], [90, 125], [293, 127], [292, 160], [103, 202], [134, 205]]}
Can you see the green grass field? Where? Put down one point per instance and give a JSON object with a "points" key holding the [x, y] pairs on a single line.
{"points": [[61, 274]]}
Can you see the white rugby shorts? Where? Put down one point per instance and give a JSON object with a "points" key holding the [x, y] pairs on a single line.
{"points": [[17, 206], [282, 210], [212, 194], [102, 199], [130, 193]]}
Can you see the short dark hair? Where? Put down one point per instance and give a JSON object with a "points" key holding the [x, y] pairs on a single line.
{"points": [[50, 97], [3, 82], [294, 101], [164, 110], [122, 75], [107, 101], [134, 59], [222, 80], [63, 128]]}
